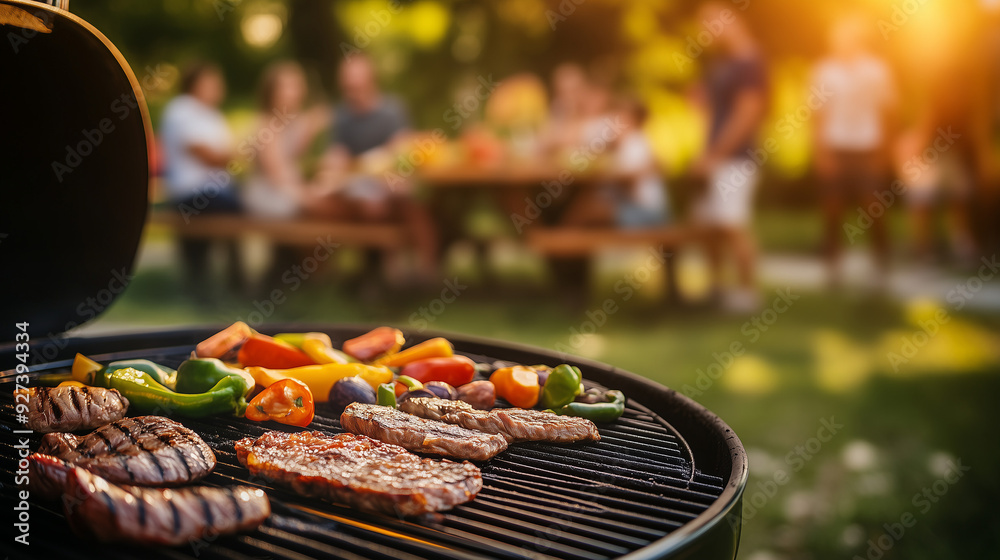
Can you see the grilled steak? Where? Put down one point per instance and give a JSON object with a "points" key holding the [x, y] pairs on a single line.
{"points": [[360, 472], [113, 513], [417, 434], [515, 424], [70, 409], [142, 451]]}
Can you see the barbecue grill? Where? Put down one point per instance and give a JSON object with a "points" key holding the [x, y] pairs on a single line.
{"points": [[665, 481]]}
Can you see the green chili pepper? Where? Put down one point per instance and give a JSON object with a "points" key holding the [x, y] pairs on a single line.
{"points": [[561, 387], [146, 395], [198, 375], [386, 395], [162, 374], [608, 411]]}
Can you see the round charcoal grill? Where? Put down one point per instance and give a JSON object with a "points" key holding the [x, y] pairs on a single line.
{"points": [[665, 481]]}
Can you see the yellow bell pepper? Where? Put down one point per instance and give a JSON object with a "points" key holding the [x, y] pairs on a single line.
{"points": [[433, 348], [320, 378], [323, 353], [71, 384], [84, 369]]}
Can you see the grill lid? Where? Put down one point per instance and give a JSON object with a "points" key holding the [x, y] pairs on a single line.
{"points": [[74, 167]]}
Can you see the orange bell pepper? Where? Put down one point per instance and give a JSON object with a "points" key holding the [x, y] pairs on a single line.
{"points": [[518, 385], [223, 342], [264, 351], [378, 342], [288, 401], [433, 348]]}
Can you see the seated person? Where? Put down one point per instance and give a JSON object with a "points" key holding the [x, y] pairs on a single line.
{"points": [[644, 202]]}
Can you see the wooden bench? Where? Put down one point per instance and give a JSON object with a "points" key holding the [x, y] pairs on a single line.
{"points": [[290, 232], [565, 244]]}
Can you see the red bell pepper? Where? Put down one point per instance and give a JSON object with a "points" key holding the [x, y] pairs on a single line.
{"points": [[454, 370], [222, 343], [367, 347], [264, 351], [288, 401]]}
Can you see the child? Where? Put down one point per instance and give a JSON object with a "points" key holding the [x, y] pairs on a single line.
{"points": [[644, 202]]}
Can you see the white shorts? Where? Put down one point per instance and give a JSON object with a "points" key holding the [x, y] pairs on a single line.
{"points": [[728, 200]]}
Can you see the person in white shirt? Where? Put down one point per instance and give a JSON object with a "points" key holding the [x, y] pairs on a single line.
{"points": [[851, 134], [197, 147], [644, 201]]}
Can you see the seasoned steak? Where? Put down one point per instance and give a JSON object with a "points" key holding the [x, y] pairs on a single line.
{"points": [[70, 409], [360, 472], [515, 424], [112, 513], [142, 451], [417, 434]]}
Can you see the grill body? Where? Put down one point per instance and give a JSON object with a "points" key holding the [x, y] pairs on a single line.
{"points": [[665, 481]]}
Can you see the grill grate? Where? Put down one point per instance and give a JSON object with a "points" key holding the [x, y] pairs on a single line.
{"points": [[583, 501]]}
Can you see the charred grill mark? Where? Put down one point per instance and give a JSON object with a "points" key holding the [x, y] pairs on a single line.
{"points": [[78, 402], [152, 457], [206, 508], [236, 505], [57, 411], [142, 507], [178, 451], [39, 395], [124, 461], [107, 442], [88, 397], [108, 501], [176, 514]]}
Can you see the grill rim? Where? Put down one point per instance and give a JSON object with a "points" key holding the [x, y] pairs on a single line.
{"points": [[688, 538]]}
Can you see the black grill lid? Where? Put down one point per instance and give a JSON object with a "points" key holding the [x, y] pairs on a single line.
{"points": [[73, 169]]}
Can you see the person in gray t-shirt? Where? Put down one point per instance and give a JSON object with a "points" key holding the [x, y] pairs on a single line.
{"points": [[368, 132]]}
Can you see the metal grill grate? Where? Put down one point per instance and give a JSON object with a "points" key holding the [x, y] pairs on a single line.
{"points": [[582, 501]]}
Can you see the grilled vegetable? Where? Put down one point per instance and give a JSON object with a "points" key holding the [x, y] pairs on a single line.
{"points": [[264, 351], [89, 372], [405, 383], [433, 348], [442, 390], [518, 385], [453, 370], [288, 401], [298, 339], [561, 387], [224, 343], [378, 342], [198, 375], [350, 390], [609, 410], [415, 394], [480, 394], [146, 395], [321, 378], [386, 395], [325, 354], [84, 369]]}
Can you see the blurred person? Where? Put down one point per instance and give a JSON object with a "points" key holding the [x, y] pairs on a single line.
{"points": [[197, 146], [851, 135], [368, 127], [277, 188], [644, 203], [566, 111], [736, 91]]}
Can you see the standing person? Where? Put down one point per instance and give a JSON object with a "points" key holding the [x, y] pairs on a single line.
{"points": [[277, 188], [735, 87], [368, 128], [197, 146], [851, 135]]}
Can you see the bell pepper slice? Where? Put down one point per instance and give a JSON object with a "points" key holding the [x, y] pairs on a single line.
{"points": [[73, 383], [224, 343], [320, 378], [608, 411], [197, 375], [561, 387], [518, 385], [386, 395], [325, 354], [288, 401], [377, 342], [453, 370], [297, 339], [84, 369], [406, 383], [433, 348], [264, 351], [147, 396]]}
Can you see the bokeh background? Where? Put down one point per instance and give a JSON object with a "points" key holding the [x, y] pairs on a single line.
{"points": [[908, 365]]}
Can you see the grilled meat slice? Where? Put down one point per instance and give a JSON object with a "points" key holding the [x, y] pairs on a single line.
{"points": [[162, 516], [515, 424], [70, 409], [142, 451], [417, 434], [360, 472]]}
